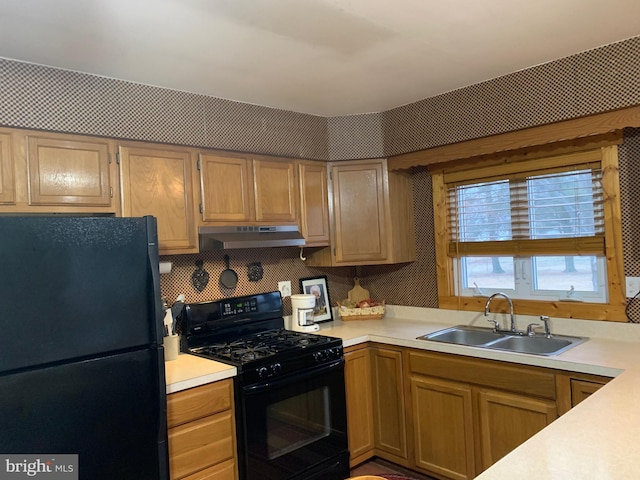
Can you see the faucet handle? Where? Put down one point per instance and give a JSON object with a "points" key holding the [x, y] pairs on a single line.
{"points": [[547, 330], [495, 324], [530, 329]]}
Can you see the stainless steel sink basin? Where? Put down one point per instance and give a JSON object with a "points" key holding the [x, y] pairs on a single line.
{"points": [[537, 345], [459, 335], [487, 338]]}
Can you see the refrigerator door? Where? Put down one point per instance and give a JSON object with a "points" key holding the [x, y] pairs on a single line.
{"points": [[77, 287], [111, 411]]}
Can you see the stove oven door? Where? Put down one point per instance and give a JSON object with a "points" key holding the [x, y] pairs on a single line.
{"points": [[296, 427]]}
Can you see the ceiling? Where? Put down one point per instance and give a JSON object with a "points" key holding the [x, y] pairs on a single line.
{"points": [[322, 57]]}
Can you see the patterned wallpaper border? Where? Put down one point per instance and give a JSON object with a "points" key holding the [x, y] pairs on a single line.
{"points": [[596, 81], [46, 98]]}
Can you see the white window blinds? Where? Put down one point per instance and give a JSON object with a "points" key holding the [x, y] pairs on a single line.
{"points": [[533, 213]]}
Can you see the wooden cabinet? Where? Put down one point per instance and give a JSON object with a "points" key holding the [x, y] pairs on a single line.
{"points": [[389, 417], [44, 172], [360, 202], [508, 420], [371, 217], [236, 189], [314, 203], [574, 388], [468, 413], [446, 415], [582, 389], [275, 191], [222, 471], [357, 372], [7, 178], [226, 189], [375, 404], [158, 181], [201, 433], [443, 432], [69, 171]]}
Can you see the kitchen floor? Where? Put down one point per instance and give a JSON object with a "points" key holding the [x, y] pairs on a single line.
{"points": [[378, 466]]}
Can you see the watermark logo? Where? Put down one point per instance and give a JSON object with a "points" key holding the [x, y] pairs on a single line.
{"points": [[44, 467]]}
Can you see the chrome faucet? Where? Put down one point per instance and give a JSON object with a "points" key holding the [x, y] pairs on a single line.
{"points": [[513, 319]]}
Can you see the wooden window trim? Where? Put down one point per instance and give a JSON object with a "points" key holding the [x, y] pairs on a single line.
{"points": [[613, 310], [466, 172]]}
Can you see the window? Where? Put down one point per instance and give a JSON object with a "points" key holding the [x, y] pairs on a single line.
{"points": [[518, 212], [535, 229]]}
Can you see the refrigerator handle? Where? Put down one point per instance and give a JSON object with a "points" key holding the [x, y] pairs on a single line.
{"points": [[163, 441], [152, 250]]}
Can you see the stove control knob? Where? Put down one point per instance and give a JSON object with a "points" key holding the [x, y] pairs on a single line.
{"points": [[320, 356], [262, 372], [276, 368]]}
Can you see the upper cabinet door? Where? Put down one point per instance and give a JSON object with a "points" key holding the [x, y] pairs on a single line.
{"points": [[360, 203], [68, 171], [226, 189], [236, 190], [158, 182], [371, 216], [7, 178], [275, 191], [314, 203]]}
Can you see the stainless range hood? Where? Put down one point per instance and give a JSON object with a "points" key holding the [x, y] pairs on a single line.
{"points": [[220, 238]]}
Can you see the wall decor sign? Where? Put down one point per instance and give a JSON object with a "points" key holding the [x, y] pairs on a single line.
{"points": [[200, 277]]}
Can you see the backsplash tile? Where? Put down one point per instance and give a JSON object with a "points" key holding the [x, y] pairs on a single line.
{"points": [[278, 264]]}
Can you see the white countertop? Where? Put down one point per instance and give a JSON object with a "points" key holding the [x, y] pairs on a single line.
{"points": [[595, 440], [189, 371]]}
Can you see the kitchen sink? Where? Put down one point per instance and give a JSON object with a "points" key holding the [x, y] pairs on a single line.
{"points": [[537, 345], [473, 336], [506, 341]]}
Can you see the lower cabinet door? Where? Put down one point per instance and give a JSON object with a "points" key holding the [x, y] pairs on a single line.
{"points": [[222, 471], [443, 427], [582, 389], [357, 375], [508, 420], [389, 416]]}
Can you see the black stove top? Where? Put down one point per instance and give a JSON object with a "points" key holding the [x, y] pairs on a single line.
{"points": [[272, 343], [248, 332]]}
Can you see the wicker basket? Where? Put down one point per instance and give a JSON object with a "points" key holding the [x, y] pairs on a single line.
{"points": [[368, 313]]}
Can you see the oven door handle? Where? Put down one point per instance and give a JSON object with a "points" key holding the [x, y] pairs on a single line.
{"points": [[295, 377]]}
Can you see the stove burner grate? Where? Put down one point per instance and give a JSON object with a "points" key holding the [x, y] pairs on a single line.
{"points": [[261, 345]]}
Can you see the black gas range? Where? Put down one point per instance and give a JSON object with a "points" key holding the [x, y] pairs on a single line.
{"points": [[280, 374], [249, 332]]}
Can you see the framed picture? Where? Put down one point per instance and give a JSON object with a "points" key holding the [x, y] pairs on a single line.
{"points": [[318, 287]]}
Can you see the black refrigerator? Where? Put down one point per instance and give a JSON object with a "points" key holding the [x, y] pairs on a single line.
{"points": [[81, 357]]}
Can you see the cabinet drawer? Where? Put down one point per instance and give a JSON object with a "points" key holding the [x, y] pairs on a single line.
{"points": [[200, 444], [511, 377], [222, 471], [198, 402]]}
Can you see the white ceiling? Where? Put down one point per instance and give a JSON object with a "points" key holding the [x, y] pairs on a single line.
{"points": [[323, 57]]}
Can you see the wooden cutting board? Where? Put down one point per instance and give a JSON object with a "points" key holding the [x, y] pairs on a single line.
{"points": [[357, 293]]}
